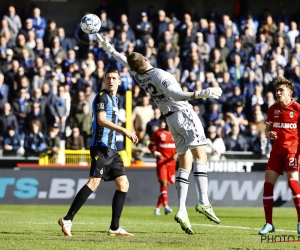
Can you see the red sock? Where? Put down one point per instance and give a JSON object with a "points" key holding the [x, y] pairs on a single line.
{"points": [[294, 186], [160, 200], [268, 201], [164, 194]]}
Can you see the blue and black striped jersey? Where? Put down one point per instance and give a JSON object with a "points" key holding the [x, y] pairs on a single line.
{"points": [[102, 136]]}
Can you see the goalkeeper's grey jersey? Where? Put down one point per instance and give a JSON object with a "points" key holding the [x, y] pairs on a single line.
{"points": [[164, 89]]}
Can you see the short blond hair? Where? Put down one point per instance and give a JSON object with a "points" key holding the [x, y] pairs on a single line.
{"points": [[137, 63]]}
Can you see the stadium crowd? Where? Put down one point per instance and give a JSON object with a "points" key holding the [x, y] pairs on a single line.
{"points": [[48, 80]]}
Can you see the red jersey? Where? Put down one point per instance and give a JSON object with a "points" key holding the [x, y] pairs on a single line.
{"points": [[284, 121], [163, 142]]}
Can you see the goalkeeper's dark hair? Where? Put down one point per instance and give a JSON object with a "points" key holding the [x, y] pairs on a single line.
{"points": [[284, 81], [111, 70], [136, 63]]}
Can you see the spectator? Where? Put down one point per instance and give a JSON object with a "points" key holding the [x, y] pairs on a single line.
{"points": [[50, 32], [75, 140], [39, 48], [222, 47], [259, 121], [144, 28], [83, 121], [21, 109], [215, 146], [39, 23], [248, 41], [106, 23], [21, 44], [256, 69], [238, 50], [31, 40], [14, 21], [234, 141], [89, 62], [58, 54], [227, 85], [237, 70], [211, 35], [26, 28], [159, 26], [34, 142], [293, 33], [7, 119], [269, 100], [153, 125], [203, 47], [251, 135], [174, 37], [36, 115], [60, 109], [4, 91], [217, 59], [227, 23], [239, 116], [141, 115], [65, 42], [11, 142], [262, 145], [269, 27], [52, 141], [230, 38]]}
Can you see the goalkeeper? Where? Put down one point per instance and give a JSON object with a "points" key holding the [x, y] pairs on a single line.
{"points": [[184, 124]]}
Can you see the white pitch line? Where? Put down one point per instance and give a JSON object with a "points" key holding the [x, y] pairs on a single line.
{"points": [[238, 227], [194, 224]]}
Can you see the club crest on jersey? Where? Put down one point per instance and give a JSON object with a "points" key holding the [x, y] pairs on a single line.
{"points": [[166, 83], [276, 113], [163, 137], [291, 114], [100, 106]]}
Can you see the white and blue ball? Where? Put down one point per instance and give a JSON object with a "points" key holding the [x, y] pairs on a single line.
{"points": [[90, 24]]}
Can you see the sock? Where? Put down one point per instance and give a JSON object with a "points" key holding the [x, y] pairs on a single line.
{"points": [[79, 200], [117, 208], [268, 201], [182, 186], [294, 186], [159, 202], [200, 177], [164, 195]]}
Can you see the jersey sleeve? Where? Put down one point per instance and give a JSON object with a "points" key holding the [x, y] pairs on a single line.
{"points": [[152, 144], [100, 103], [172, 87]]}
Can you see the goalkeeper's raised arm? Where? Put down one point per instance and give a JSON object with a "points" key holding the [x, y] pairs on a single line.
{"points": [[138, 64]]}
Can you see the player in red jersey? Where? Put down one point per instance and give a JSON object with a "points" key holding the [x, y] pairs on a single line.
{"points": [[282, 126], [162, 145]]}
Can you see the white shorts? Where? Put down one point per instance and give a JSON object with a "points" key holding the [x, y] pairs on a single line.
{"points": [[187, 130]]}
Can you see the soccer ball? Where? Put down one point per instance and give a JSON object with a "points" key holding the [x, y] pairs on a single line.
{"points": [[90, 24]]}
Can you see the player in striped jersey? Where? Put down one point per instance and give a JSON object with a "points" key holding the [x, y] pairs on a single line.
{"points": [[184, 124], [106, 161]]}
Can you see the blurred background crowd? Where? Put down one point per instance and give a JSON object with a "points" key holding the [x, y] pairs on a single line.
{"points": [[48, 80]]}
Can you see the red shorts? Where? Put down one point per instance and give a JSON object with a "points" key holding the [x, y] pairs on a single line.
{"points": [[277, 162], [166, 173]]}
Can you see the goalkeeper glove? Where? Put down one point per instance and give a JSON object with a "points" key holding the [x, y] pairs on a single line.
{"points": [[209, 93], [105, 44]]}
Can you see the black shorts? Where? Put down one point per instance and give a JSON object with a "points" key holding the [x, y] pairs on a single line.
{"points": [[106, 163]]}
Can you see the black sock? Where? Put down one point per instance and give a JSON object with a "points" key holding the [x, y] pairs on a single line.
{"points": [[79, 200], [117, 207]]}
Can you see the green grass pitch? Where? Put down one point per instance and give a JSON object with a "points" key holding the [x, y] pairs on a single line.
{"points": [[35, 227]]}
